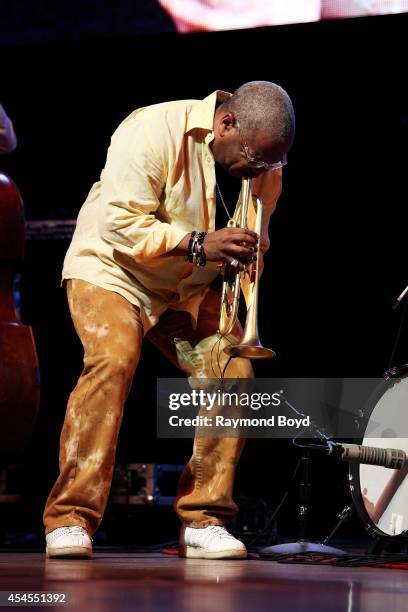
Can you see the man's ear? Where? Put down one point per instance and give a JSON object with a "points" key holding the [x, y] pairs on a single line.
{"points": [[227, 122]]}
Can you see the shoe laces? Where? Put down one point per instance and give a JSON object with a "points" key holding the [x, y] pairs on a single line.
{"points": [[220, 532], [75, 530]]}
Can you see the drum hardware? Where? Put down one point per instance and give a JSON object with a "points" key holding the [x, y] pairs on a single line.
{"points": [[397, 302], [303, 545], [343, 516], [400, 298]]}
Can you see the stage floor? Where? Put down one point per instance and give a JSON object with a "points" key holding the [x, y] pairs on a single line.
{"points": [[115, 580]]}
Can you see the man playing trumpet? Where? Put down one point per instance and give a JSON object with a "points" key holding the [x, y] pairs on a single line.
{"points": [[142, 261]]}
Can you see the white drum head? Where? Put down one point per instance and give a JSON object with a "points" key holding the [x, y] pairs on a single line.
{"points": [[382, 497]]}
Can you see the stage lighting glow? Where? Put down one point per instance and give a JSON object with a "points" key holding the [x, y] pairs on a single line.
{"points": [[211, 15]]}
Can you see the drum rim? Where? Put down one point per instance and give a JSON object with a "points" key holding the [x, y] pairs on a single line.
{"points": [[354, 468]]}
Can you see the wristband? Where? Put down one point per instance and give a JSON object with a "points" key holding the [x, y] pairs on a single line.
{"points": [[195, 250]]}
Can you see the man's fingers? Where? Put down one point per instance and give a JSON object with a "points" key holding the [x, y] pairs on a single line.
{"points": [[244, 232], [239, 252], [248, 239], [237, 266]]}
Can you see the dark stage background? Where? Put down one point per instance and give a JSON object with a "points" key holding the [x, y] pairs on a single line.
{"points": [[338, 248]]}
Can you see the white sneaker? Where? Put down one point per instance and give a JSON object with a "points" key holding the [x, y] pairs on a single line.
{"points": [[69, 542], [212, 542]]}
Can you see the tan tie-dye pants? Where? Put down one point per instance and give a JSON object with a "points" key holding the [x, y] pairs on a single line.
{"points": [[111, 332]]}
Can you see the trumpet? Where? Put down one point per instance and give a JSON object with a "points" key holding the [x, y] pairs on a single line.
{"points": [[247, 280]]}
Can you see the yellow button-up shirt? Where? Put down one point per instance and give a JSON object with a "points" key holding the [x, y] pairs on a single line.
{"points": [[158, 184]]}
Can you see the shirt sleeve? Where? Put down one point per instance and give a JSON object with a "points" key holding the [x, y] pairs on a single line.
{"points": [[8, 140], [132, 184]]}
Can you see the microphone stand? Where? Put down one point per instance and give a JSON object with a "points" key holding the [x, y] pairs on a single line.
{"points": [[303, 545]]}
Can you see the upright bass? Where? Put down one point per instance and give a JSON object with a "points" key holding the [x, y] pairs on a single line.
{"points": [[19, 370]]}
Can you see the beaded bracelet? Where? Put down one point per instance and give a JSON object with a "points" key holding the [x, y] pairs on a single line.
{"points": [[195, 250]]}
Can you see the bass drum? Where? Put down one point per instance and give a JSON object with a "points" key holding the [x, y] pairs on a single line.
{"points": [[381, 494]]}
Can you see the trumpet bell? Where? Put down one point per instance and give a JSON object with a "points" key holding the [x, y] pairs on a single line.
{"points": [[250, 351]]}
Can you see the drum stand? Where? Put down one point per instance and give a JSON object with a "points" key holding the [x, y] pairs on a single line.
{"points": [[303, 545]]}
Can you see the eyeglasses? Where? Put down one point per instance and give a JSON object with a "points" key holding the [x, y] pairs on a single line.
{"points": [[255, 162]]}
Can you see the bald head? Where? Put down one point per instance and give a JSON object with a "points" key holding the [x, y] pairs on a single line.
{"points": [[262, 106]]}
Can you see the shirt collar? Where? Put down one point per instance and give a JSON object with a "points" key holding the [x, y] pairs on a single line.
{"points": [[202, 113]]}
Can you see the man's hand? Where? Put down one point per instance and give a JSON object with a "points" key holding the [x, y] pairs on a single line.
{"points": [[231, 243], [224, 245]]}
